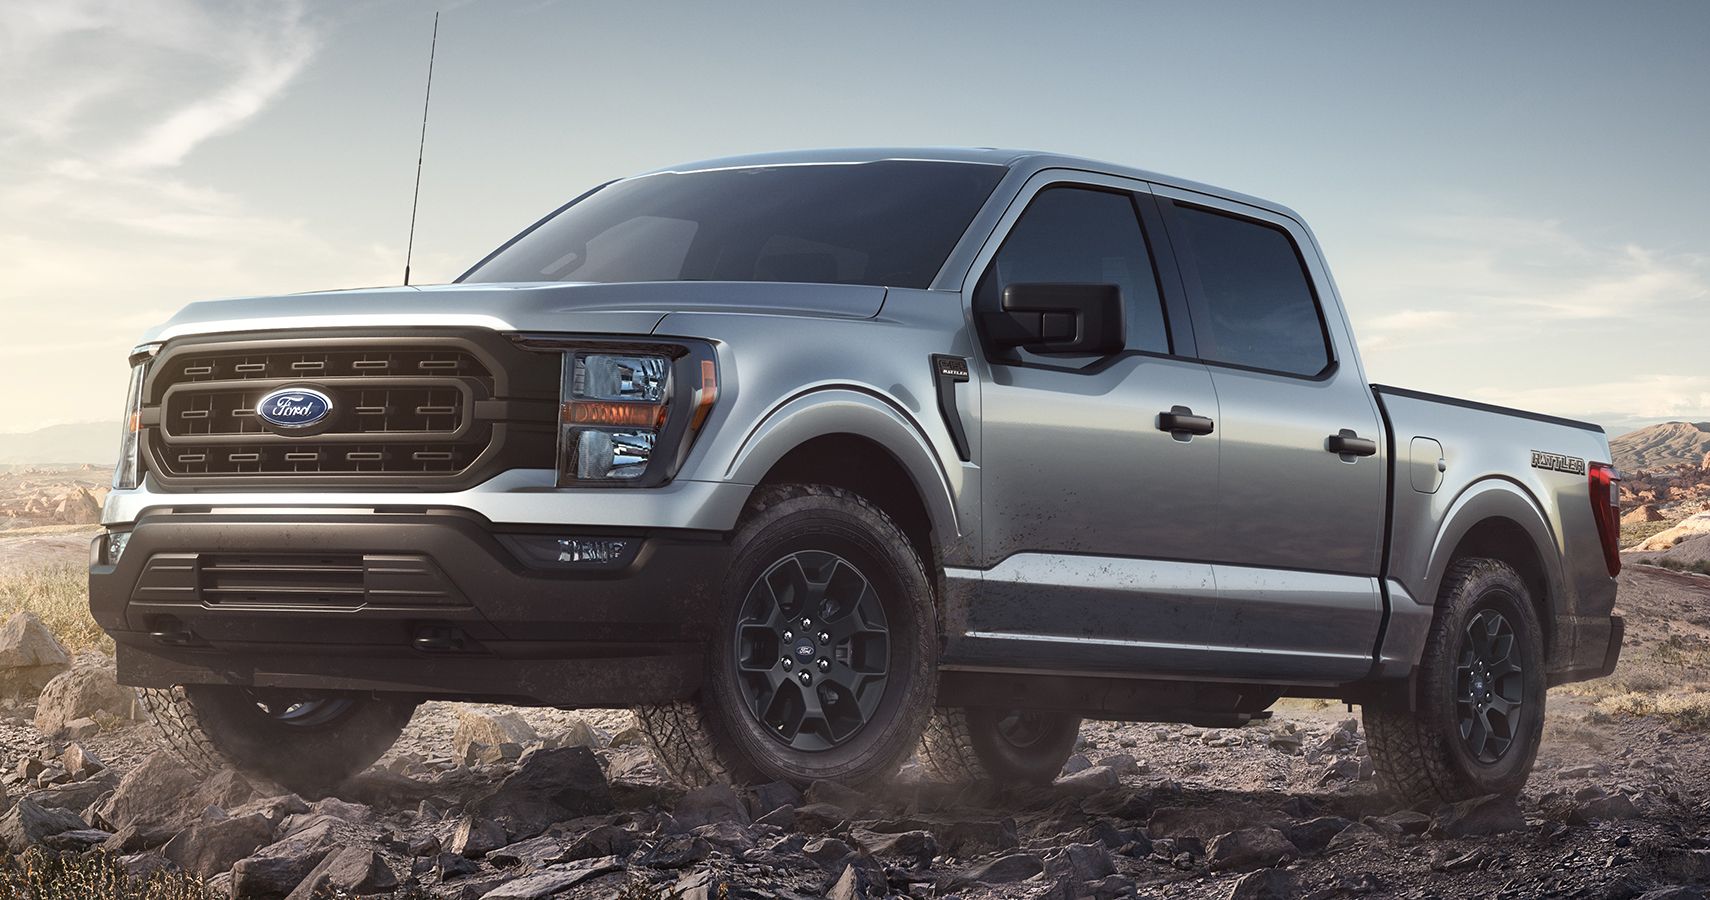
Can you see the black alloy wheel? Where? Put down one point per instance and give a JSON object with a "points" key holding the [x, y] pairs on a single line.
{"points": [[812, 649], [1489, 686]]}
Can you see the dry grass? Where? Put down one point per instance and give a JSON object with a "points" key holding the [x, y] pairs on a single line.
{"points": [[1636, 533], [1688, 710], [59, 595], [40, 875], [1668, 678]]}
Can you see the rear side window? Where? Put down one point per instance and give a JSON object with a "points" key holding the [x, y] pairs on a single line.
{"points": [[1253, 303], [1082, 236]]}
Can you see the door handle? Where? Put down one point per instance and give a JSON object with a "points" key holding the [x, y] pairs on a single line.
{"points": [[1181, 420], [1347, 443]]}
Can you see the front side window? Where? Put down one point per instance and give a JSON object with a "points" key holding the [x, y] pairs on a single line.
{"points": [[890, 223], [1253, 303], [1082, 236]]}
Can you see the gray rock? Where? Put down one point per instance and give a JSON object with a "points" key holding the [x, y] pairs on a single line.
{"points": [[1076, 763], [713, 803], [554, 879], [1249, 848], [783, 817], [815, 818], [207, 850], [853, 883], [837, 795], [826, 851], [279, 867], [917, 846], [1603, 809], [676, 851], [1266, 884], [1358, 834], [1079, 863], [1207, 822], [143, 866], [1674, 892], [638, 780], [77, 840], [162, 797], [346, 871], [577, 733], [1007, 869], [729, 836], [534, 852], [1407, 821], [80, 762], [354, 813], [1123, 764], [475, 837], [1090, 780], [974, 837], [601, 840], [764, 798], [30, 656], [1314, 835], [1685, 864], [84, 692], [29, 823], [488, 730], [76, 796], [1492, 814], [547, 786]]}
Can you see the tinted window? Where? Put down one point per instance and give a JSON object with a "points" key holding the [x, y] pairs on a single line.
{"points": [[881, 223], [1082, 236], [1254, 304]]}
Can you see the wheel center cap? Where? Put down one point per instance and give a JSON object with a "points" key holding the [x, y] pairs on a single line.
{"points": [[1478, 685], [803, 649]]}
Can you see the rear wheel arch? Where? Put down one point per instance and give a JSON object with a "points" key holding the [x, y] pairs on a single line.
{"points": [[1494, 519]]}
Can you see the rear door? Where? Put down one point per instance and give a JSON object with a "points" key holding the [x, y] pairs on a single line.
{"points": [[1299, 530], [1092, 517]]}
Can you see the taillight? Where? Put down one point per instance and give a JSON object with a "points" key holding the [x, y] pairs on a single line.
{"points": [[1606, 509]]}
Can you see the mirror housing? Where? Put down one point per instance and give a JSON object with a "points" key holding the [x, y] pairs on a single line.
{"points": [[1054, 317]]}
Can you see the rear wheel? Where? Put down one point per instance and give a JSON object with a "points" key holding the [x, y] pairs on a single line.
{"points": [[307, 742], [823, 660], [999, 745], [1479, 709]]}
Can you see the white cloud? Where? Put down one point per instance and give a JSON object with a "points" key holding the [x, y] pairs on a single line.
{"points": [[1491, 305]]}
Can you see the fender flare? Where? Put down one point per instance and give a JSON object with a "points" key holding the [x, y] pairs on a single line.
{"points": [[1498, 498], [823, 411]]}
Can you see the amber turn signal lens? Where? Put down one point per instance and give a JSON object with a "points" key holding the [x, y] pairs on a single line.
{"points": [[627, 415], [708, 394]]}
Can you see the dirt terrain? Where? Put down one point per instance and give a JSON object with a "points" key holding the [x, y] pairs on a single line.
{"points": [[1619, 806]]}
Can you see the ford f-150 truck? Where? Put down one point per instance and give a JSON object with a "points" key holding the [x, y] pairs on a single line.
{"points": [[819, 458]]}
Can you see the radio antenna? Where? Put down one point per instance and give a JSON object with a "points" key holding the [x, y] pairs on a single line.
{"points": [[416, 198]]}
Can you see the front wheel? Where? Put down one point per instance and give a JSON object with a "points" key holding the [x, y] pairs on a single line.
{"points": [[1012, 745], [306, 742], [1479, 710], [822, 663]]}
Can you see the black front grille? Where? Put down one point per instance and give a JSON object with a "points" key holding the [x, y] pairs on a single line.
{"points": [[438, 408]]}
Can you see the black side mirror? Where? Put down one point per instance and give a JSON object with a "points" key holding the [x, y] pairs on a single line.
{"points": [[1049, 317]]}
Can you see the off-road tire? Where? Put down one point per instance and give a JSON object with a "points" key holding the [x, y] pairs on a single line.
{"points": [[963, 745], [211, 727], [715, 738], [1419, 755]]}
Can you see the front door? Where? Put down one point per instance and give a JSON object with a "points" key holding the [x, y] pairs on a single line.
{"points": [[1099, 477]]}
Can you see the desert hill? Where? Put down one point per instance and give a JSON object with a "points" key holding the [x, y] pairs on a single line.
{"points": [[1668, 444], [83, 442]]}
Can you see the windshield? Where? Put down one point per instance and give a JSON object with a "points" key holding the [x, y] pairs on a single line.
{"points": [[886, 223]]}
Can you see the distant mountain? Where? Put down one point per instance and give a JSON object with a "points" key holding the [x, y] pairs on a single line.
{"points": [[1668, 444], [84, 442]]}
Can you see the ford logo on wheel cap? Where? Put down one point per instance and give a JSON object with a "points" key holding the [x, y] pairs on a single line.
{"points": [[294, 407]]}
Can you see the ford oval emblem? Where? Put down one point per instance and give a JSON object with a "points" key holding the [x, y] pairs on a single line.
{"points": [[294, 407]]}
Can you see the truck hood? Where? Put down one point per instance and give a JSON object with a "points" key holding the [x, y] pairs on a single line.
{"points": [[635, 308]]}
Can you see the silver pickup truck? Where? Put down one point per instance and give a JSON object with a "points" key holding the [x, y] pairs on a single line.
{"points": [[822, 459]]}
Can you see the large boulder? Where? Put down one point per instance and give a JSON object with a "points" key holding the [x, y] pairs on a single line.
{"points": [[547, 786], [84, 692], [209, 849], [30, 823], [1249, 848], [347, 871], [1479, 816], [30, 656], [162, 797]]}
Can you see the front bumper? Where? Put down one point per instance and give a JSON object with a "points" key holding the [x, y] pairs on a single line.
{"points": [[435, 603]]}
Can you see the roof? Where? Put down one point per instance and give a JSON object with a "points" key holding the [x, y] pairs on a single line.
{"points": [[1030, 160]]}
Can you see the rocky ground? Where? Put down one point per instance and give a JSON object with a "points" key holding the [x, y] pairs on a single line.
{"points": [[480, 801], [35, 496]]}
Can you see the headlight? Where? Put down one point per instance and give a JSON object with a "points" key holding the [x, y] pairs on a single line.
{"points": [[627, 417], [129, 471]]}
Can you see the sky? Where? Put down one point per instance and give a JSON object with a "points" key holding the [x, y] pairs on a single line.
{"points": [[1511, 195]]}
